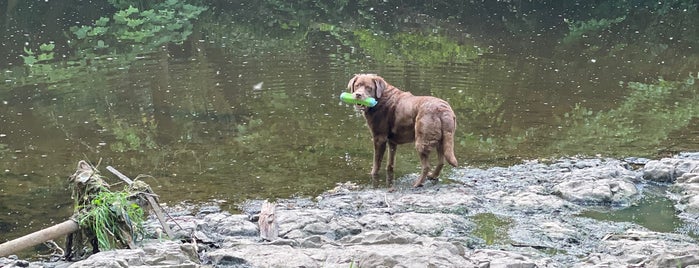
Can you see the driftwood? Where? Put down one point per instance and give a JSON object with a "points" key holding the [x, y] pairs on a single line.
{"points": [[86, 184], [269, 228], [38, 237]]}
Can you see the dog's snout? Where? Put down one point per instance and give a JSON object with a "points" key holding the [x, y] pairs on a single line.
{"points": [[358, 96]]}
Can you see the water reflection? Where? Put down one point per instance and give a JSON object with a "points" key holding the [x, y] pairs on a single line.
{"points": [[202, 127], [655, 212]]}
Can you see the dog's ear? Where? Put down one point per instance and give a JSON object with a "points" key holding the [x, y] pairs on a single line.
{"points": [[380, 86], [350, 85]]}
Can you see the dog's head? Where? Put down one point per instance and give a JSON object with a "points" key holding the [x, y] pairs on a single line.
{"points": [[363, 86]]}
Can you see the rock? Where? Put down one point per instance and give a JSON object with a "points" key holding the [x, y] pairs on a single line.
{"points": [[691, 205], [675, 259], [434, 224], [113, 259], [689, 155], [534, 201], [607, 183], [669, 169], [407, 256], [687, 187], [257, 255], [642, 248], [381, 237], [501, 259], [230, 225], [153, 253], [591, 191], [536, 222], [290, 220], [454, 200]]}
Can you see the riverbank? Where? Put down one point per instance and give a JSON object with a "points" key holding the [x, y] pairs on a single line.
{"points": [[527, 215]]}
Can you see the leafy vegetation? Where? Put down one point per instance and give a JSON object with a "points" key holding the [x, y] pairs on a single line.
{"points": [[105, 217], [133, 30], [44, 54]]}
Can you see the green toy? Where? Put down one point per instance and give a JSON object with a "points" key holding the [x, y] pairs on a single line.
{"points": [[349, 98]]}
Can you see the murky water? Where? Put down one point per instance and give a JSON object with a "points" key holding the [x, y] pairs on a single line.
{"points": [[205, 122]]}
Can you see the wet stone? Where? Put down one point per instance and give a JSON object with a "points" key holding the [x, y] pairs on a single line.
{"points": [[526, 215]]}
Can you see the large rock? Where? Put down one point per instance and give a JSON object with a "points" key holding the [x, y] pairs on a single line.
{"points": [[593, 191], [669, 169], [501, 259], [371, 249], [536, 222], [152, 253], [687, 187], [639, 248], [610, 183], [260, 255]]}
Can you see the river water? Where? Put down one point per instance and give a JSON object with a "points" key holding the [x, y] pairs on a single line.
{"points": [[208, 123]]}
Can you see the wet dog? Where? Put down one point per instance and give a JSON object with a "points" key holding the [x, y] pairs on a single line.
{"points": [[400, 117]]}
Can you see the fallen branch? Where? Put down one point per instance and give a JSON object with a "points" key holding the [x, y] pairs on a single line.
{"points": [[38, 237], [106, 217]]}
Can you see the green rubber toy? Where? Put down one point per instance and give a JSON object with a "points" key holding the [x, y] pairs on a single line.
{"points": [[349, 98]]}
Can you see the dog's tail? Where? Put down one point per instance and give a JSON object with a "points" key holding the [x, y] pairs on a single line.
{"points": [[449, 127]]}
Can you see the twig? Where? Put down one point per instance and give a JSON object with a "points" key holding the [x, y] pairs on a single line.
{"points": [[120, 175]]}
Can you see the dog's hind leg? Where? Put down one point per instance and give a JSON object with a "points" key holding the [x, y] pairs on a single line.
{"points": [[425, 163], [434, 175]]}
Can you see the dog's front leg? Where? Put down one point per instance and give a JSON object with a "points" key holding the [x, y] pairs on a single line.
{"points": [[379, 150], [391, 163]]}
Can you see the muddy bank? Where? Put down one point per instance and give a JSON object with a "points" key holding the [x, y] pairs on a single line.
{"points": [[528, 215]]}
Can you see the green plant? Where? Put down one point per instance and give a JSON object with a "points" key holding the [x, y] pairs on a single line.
{"points": [[44, 54], [137, 29], [112, 218]]}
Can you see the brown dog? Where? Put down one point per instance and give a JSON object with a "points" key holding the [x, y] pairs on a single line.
{"points": [[399, 117]]}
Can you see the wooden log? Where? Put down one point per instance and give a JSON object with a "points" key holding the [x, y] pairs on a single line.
{"points": [[38, 237], [269, 228]]}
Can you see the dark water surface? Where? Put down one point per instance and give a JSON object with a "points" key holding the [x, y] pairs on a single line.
{"points": [[207, 123]]}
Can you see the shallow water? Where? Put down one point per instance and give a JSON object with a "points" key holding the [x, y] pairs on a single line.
{"points": [[654, 211], [207, 123]]}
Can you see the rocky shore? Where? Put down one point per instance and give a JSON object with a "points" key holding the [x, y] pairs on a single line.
{"points": [[527, 215]]}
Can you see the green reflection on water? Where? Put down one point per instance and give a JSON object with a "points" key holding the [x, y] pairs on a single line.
{"points": [[654, 211]]}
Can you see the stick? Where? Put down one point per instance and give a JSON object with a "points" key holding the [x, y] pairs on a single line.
{"points": [[120, 175], [153, 204], [38, 237], [269, 228]]}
